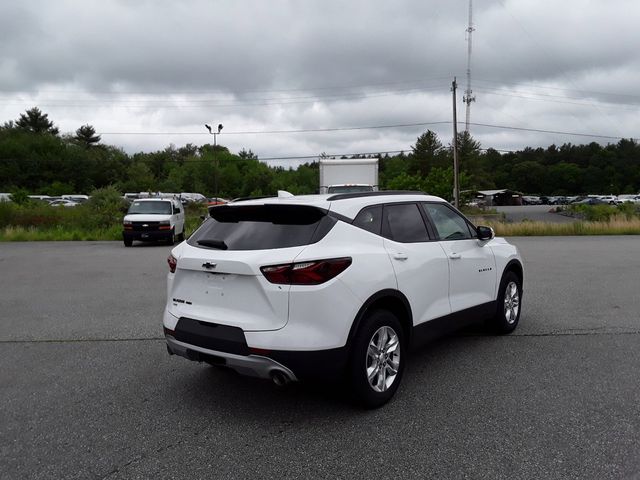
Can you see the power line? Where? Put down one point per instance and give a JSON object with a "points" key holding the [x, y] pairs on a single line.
{"points": [[304, 130], [557, 99], [557, 132], [548, 87], [373, 127]]}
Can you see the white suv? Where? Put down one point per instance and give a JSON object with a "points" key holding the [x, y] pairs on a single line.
{"points": [[326, 285]]}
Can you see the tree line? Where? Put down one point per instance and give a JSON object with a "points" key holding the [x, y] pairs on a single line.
{"points": [[36, 158]]}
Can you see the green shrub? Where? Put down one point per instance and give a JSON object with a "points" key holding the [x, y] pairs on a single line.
{"points": [[602, 213]]}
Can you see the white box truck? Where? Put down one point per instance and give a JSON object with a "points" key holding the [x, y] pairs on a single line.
{"points": [[348, 175]]}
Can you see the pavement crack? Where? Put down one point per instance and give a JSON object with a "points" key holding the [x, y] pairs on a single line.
{"points": [[82, 340], [558, 333], [574, 333]]}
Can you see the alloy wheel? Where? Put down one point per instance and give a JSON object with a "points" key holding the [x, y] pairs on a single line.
{"points": [[383, 359], [511, 303]]}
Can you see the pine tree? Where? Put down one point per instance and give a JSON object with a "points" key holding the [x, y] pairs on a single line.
{"points": [[35, 121]]}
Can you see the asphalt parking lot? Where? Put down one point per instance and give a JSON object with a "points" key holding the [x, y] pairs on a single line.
{"points": [[87, 389]]}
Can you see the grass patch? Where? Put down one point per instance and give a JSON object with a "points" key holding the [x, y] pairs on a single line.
{"points": [[59, 233], [615, 225]]}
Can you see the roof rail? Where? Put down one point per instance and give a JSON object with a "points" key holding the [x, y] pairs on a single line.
{"points": [[345, 196]]}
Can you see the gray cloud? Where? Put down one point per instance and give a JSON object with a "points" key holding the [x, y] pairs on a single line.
{"points": [[254, 65]]}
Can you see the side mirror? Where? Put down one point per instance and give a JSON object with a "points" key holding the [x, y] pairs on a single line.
{"points": [[485, 233]]}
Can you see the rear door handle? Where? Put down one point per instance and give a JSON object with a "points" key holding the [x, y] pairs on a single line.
{"points": [[400, 256], [455, 256]]}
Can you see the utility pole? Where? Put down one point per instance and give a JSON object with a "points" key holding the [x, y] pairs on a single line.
{"points": [[215, 160], [456, 186], [468, 98]]}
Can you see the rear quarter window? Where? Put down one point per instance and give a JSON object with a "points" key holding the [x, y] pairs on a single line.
{"points": [[369, 219]]}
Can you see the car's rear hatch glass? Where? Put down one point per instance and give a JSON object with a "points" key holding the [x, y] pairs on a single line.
{"points": [[262, 227]]}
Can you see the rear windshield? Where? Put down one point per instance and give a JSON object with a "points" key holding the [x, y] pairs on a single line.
{"points": [[150, 207], [261, 227]]}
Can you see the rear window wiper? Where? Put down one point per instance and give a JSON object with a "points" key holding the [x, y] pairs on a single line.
{"points": [[210, 242]]}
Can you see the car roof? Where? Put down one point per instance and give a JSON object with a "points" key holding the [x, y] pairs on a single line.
{"points": [[348, 204], [155, 200]]}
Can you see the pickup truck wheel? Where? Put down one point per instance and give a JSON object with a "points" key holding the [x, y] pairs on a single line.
{"points": [[172, 238], [377, 359], [128, 242]]}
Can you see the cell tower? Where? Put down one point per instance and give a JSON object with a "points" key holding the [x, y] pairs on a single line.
{"points": [[468, 98]]}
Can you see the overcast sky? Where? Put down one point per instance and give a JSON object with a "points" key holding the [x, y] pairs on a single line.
{"points": [[149, 73]]}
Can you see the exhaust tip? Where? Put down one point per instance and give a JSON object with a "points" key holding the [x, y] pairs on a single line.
{"points": [[280, 378]]}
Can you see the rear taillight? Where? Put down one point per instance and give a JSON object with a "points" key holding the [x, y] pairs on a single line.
{"points": [[173, 263], [306, 273]]}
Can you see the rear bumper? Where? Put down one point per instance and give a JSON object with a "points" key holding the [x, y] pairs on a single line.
{"points": [[295, 365], [254, 353], [250, 365]]}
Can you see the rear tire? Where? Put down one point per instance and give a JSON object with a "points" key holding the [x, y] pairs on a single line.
{"points": [[508, 306], [378, 355], [128, 242]]}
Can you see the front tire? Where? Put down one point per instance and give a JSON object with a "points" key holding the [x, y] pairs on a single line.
{"points": [[377, 359], [508, 306], [172, 238]]}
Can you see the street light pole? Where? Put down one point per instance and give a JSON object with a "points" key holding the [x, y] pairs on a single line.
{"points": [[215, 160]]}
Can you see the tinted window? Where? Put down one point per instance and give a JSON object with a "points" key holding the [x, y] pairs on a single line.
{"points": [[261, 227], [370, 219], [139, 206], [404, 223], [449, 224]]}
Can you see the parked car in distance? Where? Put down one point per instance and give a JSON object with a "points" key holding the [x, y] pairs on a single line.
{"points": [[62, 202], [307, 287], [629, 198], [590, 201], [153, 219], [42, 198], [216, 201], [130, 197], [186, 197], [610, 199], [557, 200], [531, 200], [76, 198]]}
